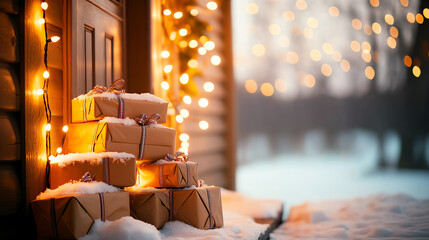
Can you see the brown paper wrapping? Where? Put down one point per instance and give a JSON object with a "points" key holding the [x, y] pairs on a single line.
{"points": [[74, 215], [114, 137], [172, 174], [118, 174], [98, 107], [191, 206]]}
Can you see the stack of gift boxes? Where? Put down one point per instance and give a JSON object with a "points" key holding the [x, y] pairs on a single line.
{"points": [[117, 138]]}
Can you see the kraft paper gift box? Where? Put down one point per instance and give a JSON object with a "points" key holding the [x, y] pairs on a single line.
{"points": [[97, 106], [146, 143], [168, 174], [199, 207], [117, 169], [71, 217]]}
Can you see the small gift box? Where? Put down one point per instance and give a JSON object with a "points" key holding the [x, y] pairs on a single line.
{"points": [[170, 172], [146, 142], [199, 207], [113, 102], [117, 169], [71, 216]]}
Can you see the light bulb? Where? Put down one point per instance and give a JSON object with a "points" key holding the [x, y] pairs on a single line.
{"points": [[46, 74], [179, 118], [208, 87], [183, 32], [194, 12], [40, 92], [193, 44], [55, 39], [167, 12], [51, 157], [203, 102], [204, 125], [165, 54], [184, 137], [178, 15], [65, 128], [209, 45], [184, 144], [184, 78], [187, 99], [184, 113], [59, 150], [215, 60], [48, 127], [44, 5], [211, 5], [168, 68], [41, 21], [202, 51], [165, 85]]}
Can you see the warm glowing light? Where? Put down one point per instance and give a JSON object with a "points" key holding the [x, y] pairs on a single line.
{"points": [[309, 81], [202, 51], [179, 118], [41, 21], [301, 4], [48, 127], [167, 12], [40, 92], [312, 22], [337, 56], [184, 78], [391, 42], [193, 44], [215, 60], [315, 55], [184, 113], [165, 54], [389, 19], [251, 86], [267, 89], [184, 137], [333, 11], [416, 71], [369, 72], [208, 86], [187, 99], [46, 74], [289, 15], [211, 5], [204, 39], [204, 125], [168, 68], [426, 13], [51, 158], [374, 3], [284, 41], [258, 50], [345, 65], [328, 48], [209, 45], [366, 47], [203, 102], [59, 150], [252, 8], [366, 56], [194, 12], [173, 36], [408, 61], [274, 29], [280, 85], [326, 70], [367, 29], [183, 44], [411, 18], [376, 28], [308, 33], [178, 15], [404, 3], [44, 5], [193, 63], [55, 39], [165, 85], [419, 18], [394, 32], [65, 128], [357, 24], [184, 145], [292, 57], [183, 32]]}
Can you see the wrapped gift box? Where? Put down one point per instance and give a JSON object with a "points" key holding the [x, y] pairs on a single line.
{"points": [[199, 207], [97, 106], [147, 143], [117, 169], [71, 217], [167, 174]]}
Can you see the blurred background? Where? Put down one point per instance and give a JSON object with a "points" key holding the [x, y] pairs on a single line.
{"points": [[332, 98]]}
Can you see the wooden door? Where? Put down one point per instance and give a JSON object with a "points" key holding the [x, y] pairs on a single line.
{"points": [[97, 44]]}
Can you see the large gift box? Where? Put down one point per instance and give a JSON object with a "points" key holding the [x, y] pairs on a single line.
{"points": [[97, 106], [199, 207], [71, 217], [145, 142], [168, 174], [117, 169]]}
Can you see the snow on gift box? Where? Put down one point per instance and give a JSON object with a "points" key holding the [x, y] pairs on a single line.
{"points": [[113, 102], [148, 142], [199, 207], [69, 211], [117, 169]]}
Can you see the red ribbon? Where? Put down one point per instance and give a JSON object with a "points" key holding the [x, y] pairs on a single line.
{"points": [[116, 88], [179, 156], [144, 120], [87, 177]]}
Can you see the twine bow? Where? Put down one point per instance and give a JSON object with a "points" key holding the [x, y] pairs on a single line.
{"points": [[116, 88], [201, 183], [179, 156], [144, 120], [87, 177]]}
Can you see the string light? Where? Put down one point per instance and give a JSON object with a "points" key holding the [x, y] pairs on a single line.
{"points": [[193, 44], [252, 8], [48, 127], [193, 63], [258, 50], [178, 15], [168, 68], [203, 102], [187, 99], [46, 74], [179, 118], [165, 54], [44, 5], [184, 78], [65, 128], [251, 86], [194, 12], [202, 51], [54, 39], [215, 60], [165, 85], [416, 71], [59, 150], [211, 5], [204, 125], [209, 45], [167, 12], [184, 113], [40, 92], [208, 86], [184, 137], [183, 32], [41, 21], [267, 89]]}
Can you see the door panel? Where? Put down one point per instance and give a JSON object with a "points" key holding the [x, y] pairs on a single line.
{"points": [[97, 51]]}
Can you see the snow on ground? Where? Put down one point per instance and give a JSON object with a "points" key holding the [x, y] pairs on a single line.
{"points": [[375, 217]]}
